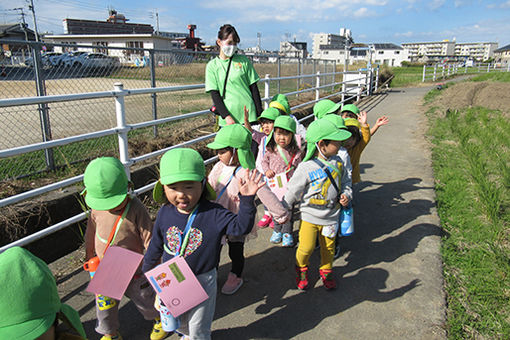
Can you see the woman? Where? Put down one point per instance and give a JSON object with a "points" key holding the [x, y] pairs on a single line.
{"points": [[240, 89]]}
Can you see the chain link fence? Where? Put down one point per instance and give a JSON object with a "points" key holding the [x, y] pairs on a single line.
{"points": [[30, 69]]}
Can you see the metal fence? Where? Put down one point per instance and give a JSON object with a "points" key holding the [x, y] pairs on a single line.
{"points": [[120, 102], [444, 71]]}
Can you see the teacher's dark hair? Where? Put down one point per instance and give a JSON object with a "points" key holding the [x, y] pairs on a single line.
{"points": [[227, 30]]}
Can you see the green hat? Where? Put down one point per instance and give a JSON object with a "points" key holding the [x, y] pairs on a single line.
{"points": [[270, 113], [352, 122], [324, 107], [322, 129], [29, 301], [286, 123], [351, 108], [281, 102], [337, 120], [106, 183], [179, 165], [238, 137]]}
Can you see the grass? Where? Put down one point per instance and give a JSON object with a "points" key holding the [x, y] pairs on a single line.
{"points": [[405, 76], [473, 200], [493, 76]]}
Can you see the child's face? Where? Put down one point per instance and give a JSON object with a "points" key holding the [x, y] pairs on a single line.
{"points": [[184, 195], [282, 137], [227, 156], [267, 126], [349, 114], [331, 148]]}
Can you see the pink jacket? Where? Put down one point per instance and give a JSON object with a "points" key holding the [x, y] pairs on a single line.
{"points": [[274, 161]]}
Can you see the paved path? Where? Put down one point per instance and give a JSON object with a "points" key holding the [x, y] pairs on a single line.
{"points": [[390, 276]]}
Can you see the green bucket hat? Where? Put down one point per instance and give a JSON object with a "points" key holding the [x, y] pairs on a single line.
{"points": [[337, 120], [324, 107], [106, 183], [29, 301], [322, 129], [238, 137], [280, 102], [270, 113], [286, 123], [179, 165], [351, 108]]}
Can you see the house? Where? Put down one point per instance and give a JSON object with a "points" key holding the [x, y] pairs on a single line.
{"points": [[16, 31], [388, 54], [502, 55], [293, 49]]}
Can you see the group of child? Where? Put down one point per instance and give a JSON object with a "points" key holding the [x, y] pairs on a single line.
{"points": [[313, 167]]}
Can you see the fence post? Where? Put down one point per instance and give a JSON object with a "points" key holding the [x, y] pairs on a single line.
{"points": [[334, 75], [343, 87], [317, 84], [298, 80], [435, 73], [120, 111], [442, 72], [424, 71], [153, 95], [508, 67], [44, 116], [266, 90], [488, 68], [465, 69], [376, 78], [358, 97], [447, 70], [279, 72]]}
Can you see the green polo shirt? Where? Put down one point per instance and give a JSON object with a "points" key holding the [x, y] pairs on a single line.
{"points": [[241, 76]]}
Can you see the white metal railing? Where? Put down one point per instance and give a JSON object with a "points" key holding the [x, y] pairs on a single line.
{"points": [[366, 85], [443, 71]]}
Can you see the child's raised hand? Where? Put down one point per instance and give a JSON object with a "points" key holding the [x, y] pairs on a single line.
{"points": [[382, 121], [344, 200], [270, 173], [362, 118], [251, 183], [247, 119]]}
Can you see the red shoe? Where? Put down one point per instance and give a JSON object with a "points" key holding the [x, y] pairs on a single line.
{"points": [[271, 224], [265, 221], [302, 277], [327, 278]]}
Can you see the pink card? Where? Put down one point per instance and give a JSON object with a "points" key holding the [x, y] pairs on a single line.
{"points": [[114, 273], [176, 286], [278, 184]]}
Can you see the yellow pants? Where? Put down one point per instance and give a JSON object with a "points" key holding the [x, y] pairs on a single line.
{"points": [[307, 235]]}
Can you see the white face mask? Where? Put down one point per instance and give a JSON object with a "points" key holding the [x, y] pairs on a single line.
{"points": [[229, 50]]}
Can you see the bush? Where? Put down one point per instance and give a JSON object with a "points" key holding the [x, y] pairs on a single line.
{"points": [[385, 73]]}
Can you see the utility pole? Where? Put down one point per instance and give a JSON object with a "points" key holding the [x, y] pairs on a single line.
{"points": [[31, 7], [24, 25]]}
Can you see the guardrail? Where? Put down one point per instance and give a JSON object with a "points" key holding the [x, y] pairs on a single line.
{"points": [[444, 71], [366, 84]]}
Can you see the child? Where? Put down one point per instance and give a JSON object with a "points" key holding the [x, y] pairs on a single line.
{"points": [[282, 156], [281, 103], [30, 307], [325, 107], [321, 184], [183, 189], [233, 145], [360, 130], [106, 193]]}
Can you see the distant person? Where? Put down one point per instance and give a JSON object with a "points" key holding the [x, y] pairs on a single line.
{"points": [[30, 307], [232, 81], [117, 219]]}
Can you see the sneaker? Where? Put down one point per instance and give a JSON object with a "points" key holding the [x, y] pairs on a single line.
{"points": [[232, 285], [271, 224], [287, 240], [302, 277], [276, 237], [265, 221], [327, 278], [157, 330], [112, 337]]}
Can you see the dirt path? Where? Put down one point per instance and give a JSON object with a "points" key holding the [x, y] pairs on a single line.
{"points": [[390, 277]]}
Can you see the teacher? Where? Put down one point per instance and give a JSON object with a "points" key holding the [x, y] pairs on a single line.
{"points": [[232, 81]]}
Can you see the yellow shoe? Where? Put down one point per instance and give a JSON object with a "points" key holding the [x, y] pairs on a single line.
{"points": [[109, 337], [157, 330]]}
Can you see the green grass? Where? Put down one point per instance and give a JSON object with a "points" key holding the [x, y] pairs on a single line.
{"points": [[493, 76], [405, 76], [471, 158]]}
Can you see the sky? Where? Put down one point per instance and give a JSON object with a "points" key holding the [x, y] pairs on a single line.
{"points": [[370, 21]]}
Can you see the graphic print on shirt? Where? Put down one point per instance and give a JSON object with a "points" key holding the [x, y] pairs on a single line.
{"points": [[316, 176], [174, 235]]}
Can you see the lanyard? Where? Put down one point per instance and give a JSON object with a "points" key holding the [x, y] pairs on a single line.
{"points": [[181, 248], [116, 226], [328, 164], [289, 164], [222, 191]]}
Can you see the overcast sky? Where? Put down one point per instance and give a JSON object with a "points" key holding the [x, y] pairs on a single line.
{"points": [[370, 21]]}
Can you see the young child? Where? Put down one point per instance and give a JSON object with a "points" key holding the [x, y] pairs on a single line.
{"points": [[283, 156], [325, 107], [232, 143], [321, 185], [183, 189], [106, 193], [281, 103]]}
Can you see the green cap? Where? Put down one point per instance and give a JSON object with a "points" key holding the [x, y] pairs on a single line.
{"points": [[281, 102], [337, 120], [322, 129], [352, 122], [324, 107], [270, 113], [106, 183], [179, 165], [238, 137], [351, 108], [286, 123], [29, 301]]}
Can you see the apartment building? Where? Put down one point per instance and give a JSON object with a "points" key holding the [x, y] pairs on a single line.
{"points": [[502, 55], [477, 51], [429, 50], [332, 46]]}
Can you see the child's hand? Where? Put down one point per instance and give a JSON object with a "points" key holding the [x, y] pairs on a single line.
{"points": [[270, 174], [344, 200], [251, 183], [229, 120], [382, 121], [247, 119], [362, 118]]}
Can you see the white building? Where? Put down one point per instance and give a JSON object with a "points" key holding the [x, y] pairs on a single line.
{"points": [[429, 50], [477, 51], [502, 55], [388, 54], [293, 49], [332, 46]]}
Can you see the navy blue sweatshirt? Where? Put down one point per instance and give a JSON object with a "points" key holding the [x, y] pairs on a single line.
{"points": [[211, 223]]}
